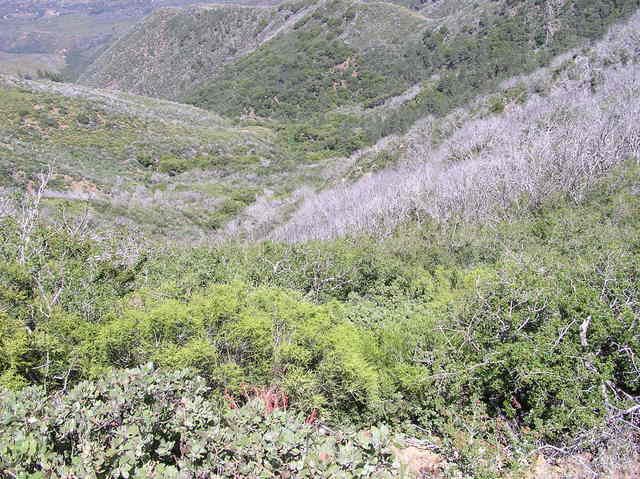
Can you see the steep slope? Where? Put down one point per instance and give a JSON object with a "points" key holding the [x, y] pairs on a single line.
{"points": [[344, 53], [174, 49], [468, 163], [325, 79], [340, 75]]}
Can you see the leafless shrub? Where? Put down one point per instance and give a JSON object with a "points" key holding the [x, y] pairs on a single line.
{"points": [[27, 217], [7, 203], [72, 195], [617, 453], [491, 168], [256, 220], [621, 40]]}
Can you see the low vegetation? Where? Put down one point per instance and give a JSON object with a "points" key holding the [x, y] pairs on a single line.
{"points": [[184, 432], [494, 340], [134, 160]]}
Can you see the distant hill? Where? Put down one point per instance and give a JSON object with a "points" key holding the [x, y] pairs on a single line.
{"points": [[300, 59], [172, 50], [65, 36], [199, 52], [43, 8]]}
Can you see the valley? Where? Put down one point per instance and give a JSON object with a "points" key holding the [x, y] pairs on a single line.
{"points": [[320, 238]]}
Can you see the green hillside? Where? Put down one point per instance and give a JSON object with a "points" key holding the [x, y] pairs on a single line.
{"points": [[175, 50], [323, 70], [310, 57], [330, 58]]}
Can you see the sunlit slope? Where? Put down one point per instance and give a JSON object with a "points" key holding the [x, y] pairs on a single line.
{"points": [[160, 165], [343, 53]]}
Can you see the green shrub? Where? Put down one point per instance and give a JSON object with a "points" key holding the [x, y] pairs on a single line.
{"points": [[434, 326], [139, 422], [172, 165], [14, 350], [496, 105]]}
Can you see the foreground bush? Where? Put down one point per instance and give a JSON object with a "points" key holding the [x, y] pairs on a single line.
{"points": [[142, 423]]}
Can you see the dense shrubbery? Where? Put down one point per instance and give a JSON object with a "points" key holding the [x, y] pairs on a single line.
{"points": [[141, 423], [292, 77], [494, 339], [324, 135], [532, 323]]}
